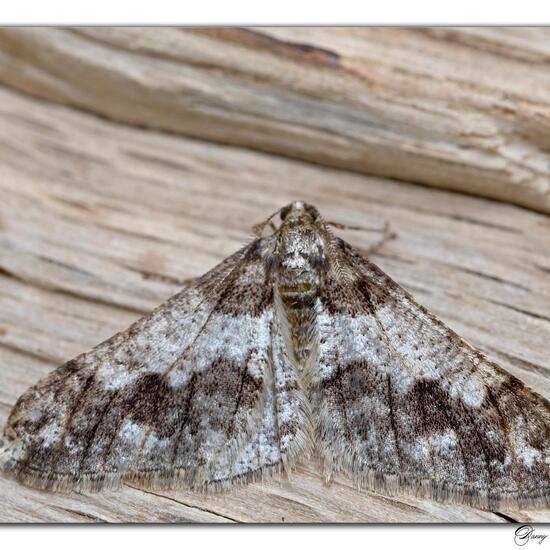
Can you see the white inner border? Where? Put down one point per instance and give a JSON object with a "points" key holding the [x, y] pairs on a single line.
{"points": [[282, 12]]}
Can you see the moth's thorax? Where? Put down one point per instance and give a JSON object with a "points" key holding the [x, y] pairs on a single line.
{"points": [[300, 258]]}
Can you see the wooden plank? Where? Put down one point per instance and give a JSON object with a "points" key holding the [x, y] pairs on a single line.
{"points": [[100, 222], [460, 108]]}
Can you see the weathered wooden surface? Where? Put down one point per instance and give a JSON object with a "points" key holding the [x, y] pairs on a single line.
{"points": [[101, 221], [460, 108]]}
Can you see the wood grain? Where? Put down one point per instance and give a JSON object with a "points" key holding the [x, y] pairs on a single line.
{"points": [[100, 222], [458, 108]]}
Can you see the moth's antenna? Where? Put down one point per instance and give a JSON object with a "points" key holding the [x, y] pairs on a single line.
{"points": [[259, 227], [338, 225]]}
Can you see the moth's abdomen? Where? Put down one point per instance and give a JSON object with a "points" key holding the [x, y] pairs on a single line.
{"points": [[299, 309]]}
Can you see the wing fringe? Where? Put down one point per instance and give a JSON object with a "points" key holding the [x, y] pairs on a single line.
{"points": [[449, 493]]}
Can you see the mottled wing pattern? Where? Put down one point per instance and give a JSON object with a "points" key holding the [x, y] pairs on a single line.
{"points": [[185, 396], [406, 406]]}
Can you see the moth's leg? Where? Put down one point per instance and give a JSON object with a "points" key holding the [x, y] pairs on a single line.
{"points": [[387, 235], [183, 284], [375, 247], [186, 283]]}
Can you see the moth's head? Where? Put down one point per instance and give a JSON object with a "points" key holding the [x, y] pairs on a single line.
{"points": [[299, 212], [297, 260]]}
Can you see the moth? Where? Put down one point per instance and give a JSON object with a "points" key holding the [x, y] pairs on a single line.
{"points": [[295, 346]]}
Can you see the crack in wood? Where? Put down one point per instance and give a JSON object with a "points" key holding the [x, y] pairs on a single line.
{"points": [[187, 505], [517, 309]]}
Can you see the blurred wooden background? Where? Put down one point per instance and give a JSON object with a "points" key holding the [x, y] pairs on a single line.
{"points": [[132, 159]]}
